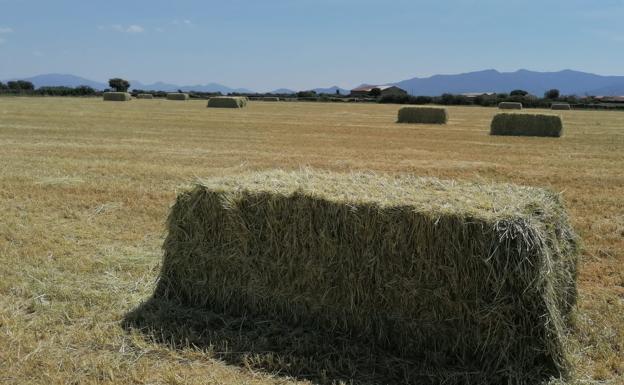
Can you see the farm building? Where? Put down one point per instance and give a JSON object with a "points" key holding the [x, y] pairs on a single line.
{"points": [[610, 99], [384, 90]]}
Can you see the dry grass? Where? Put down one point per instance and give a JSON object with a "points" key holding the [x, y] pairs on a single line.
{"points": [[86, 187]]}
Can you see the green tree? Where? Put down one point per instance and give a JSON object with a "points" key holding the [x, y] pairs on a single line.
{"points": [[306, 94], [518, 93], [119, 85], [552, 94], [20, 85], [375, 92]]}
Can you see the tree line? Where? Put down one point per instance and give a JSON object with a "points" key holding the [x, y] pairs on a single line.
{"points": [[23, 87], [490, 100]]}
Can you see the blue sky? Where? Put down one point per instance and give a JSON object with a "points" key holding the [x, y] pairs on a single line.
{"points": [[301, 44]]}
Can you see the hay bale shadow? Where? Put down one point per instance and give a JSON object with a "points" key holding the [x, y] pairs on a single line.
{"points": [[267, 345]]}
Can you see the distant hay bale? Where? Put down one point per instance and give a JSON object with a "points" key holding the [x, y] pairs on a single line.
{"points": [[177, 96], [510, 105], [227, 102], [428, 115], [560, 106], [145, 96], [526, 125], [270, 99], [477, 279], [116, 96]]}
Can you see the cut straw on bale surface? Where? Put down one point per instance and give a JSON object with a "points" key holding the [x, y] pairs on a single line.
{"points": [[427, 115], [526, 125], [177, 96], [116, 96], [227, 102], [270, 99], [560, 106], [472, 283], [510, 105], [145, 96]]}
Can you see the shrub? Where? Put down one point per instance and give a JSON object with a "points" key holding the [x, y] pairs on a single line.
{"points": [[20, 85], [551, 94], [518, 93], [306, 94], [475, 279], [429, 115], [526, 125]]}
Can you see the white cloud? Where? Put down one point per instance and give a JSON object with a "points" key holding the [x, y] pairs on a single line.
{"points": [[182, 22], [2, 41], [134, 28], [6, 30], [38, 54]]}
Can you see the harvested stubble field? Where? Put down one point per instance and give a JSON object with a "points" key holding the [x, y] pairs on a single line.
{"points": [[85, 188]]}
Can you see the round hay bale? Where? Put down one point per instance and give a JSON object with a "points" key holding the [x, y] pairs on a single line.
{"points": [[510, 105], [425, 115], [526, 125], [116, 96]]}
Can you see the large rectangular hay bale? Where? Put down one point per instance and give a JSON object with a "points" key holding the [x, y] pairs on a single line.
{"points": [[526, 125], [145, 96], [427, 115], [560, 106], [227, 102], [510, 105], [177, 96], [270, 99], [116, 96], [455, 277]]}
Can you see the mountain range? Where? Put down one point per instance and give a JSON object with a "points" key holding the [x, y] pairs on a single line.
{"points": [[569, 82]]}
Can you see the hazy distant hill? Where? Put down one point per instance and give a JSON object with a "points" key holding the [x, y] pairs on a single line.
{"points": [[567, 81], [210, 87], [283, 91], [331, 90], [58, 80]]}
